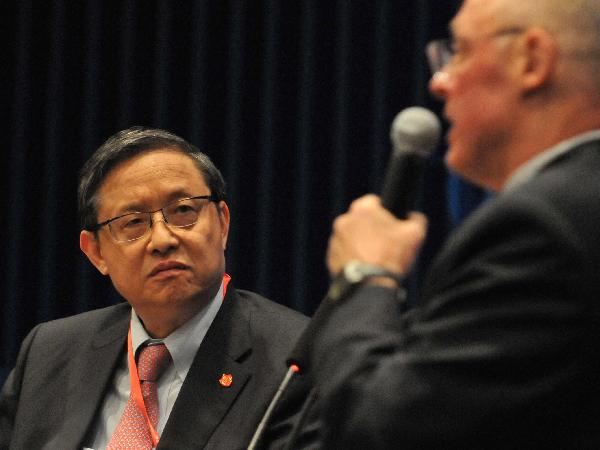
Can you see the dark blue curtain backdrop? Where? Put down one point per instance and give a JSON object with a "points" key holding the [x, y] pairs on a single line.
{"points": [[292, 100]]}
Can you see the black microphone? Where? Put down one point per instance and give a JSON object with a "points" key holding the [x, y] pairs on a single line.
{"points": [[414, 133]]}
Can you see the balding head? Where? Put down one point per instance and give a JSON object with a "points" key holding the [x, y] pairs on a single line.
{"points": [[575, 23]]}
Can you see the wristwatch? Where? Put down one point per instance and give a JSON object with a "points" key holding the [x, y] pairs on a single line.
{"points": [[355, 273]]}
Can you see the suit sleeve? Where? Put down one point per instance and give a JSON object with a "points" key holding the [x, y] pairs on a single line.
{"points": [[9, 397], [502, 343]]}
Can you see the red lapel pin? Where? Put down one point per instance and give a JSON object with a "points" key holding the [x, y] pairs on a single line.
{"points": [[226, 380]]}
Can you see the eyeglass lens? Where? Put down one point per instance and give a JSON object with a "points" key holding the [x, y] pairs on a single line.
{"points": [[183, 213]]}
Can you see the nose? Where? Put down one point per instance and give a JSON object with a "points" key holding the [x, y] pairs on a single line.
{"points": [[439, 84], [162, 239]]}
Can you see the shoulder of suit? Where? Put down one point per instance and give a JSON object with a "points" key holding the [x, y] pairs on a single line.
{"points": [[86, 322], [95, 314], [269, 316]]}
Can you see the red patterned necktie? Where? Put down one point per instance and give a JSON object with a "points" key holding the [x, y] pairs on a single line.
{"points": [[132, 430]]}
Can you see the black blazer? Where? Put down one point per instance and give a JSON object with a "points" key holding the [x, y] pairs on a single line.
{"points": [[65, 366], [504, 349]]}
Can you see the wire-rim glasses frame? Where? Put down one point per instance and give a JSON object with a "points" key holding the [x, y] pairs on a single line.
{"points": [[441, 51], [141, 221]]}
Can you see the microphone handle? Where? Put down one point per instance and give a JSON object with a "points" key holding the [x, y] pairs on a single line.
{"points": [[402, 182], [265, 419]]}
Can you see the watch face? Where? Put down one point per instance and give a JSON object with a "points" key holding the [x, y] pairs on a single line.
{"points": [[354, 271]]}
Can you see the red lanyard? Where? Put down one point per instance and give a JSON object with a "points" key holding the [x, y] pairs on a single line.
{"points": [[226, 280], [136, 390]]}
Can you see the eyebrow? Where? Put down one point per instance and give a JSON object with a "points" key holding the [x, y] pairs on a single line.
{"points": [[181, 193], [136, 206]]}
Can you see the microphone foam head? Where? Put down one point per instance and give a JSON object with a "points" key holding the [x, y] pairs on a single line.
{"points": [[415, 129]]}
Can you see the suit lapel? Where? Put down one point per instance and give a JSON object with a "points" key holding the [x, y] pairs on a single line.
{"points": [[87, 384], [204, 400]]}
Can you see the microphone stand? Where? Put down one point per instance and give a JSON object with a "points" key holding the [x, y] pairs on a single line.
{"points": [[265, 419]]}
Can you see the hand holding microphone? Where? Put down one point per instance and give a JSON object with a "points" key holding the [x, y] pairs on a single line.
{"points": [[368, 232], [415, 132]]}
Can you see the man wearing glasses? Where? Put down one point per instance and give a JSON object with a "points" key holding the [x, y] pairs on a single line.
{"points": [[189, 361], [502, 350]]}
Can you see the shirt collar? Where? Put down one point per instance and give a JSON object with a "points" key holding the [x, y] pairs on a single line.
{"points": [[532, 167], [183, 343]]}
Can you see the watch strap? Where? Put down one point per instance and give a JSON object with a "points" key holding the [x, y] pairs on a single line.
{"points": [[355, 273]]}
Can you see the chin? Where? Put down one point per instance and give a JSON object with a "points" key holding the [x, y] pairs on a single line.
{"points": [[181, 296], [172, 294]]}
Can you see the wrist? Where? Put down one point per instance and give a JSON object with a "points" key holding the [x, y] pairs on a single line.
{"points": [[383, 281], [355, 273]]}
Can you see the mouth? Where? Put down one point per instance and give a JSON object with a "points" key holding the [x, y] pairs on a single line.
{"points": [[168, 268]]}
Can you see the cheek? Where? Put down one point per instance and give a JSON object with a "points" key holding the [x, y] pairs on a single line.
{"points": [[205, 247], [481, 82], [127, 282], [209, 237], [124, 267], [481, 107]]}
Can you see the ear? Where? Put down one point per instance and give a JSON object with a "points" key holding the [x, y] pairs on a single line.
{"points": [[223, 211], [540, 53], [88, 243]]}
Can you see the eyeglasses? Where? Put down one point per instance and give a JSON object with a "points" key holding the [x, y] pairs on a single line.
{"points": [[132, 226], [441, 51]]}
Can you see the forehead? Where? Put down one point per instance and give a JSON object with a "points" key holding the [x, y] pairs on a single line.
{"points": [[152, 177]]}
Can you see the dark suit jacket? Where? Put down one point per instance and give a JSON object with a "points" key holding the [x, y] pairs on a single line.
{"points": [[504, 349], [64, 367]]}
